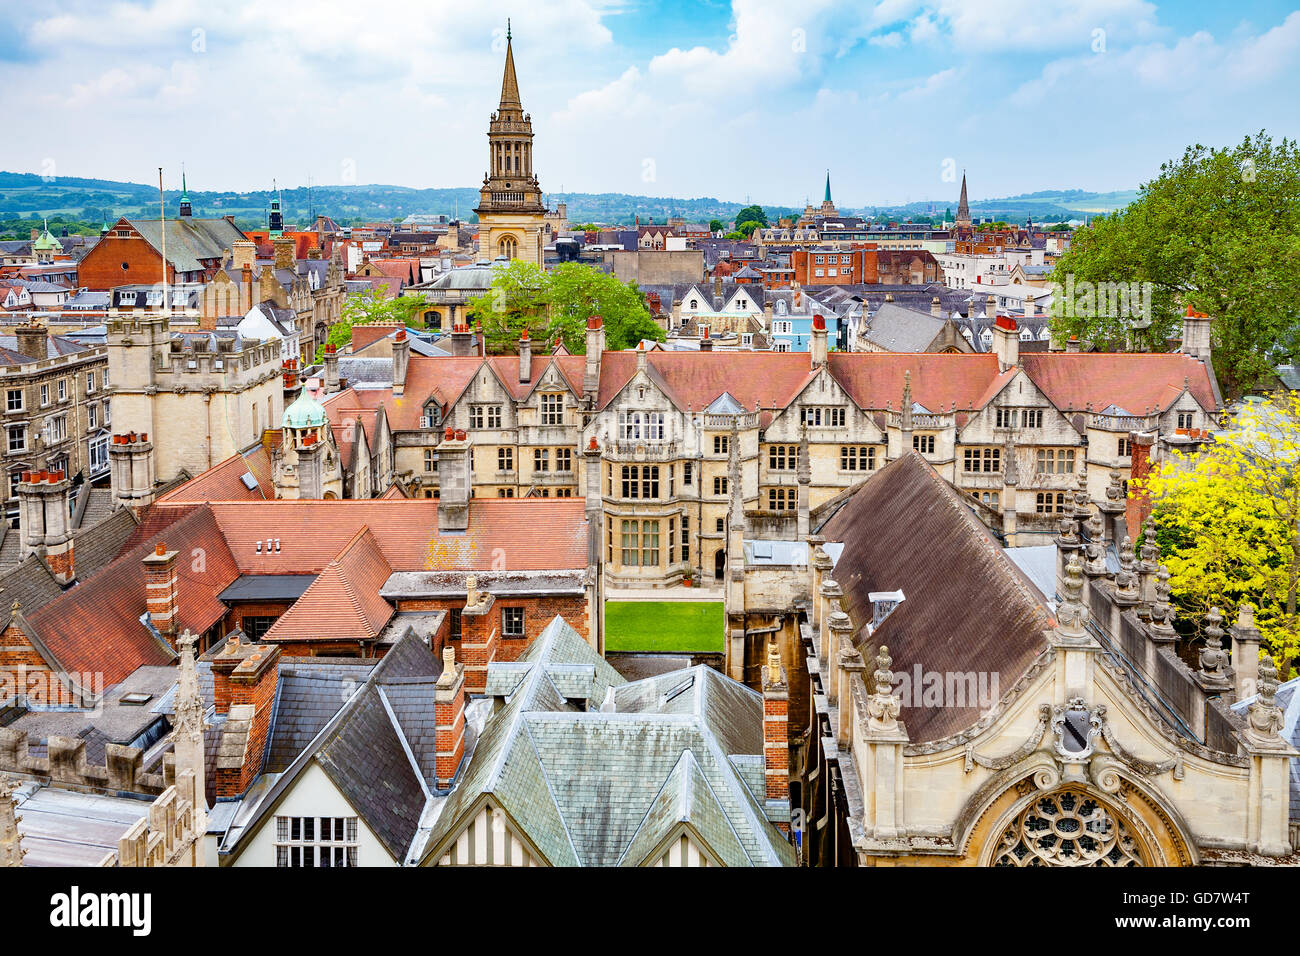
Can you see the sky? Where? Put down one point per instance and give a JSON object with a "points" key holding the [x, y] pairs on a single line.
{"points": [[751, 100]]}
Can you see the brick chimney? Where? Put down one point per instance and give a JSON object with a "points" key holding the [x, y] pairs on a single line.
{"points": [[252, 683], [449, 720], [776, 741], [453, 481], [1006, 342], [818, 341], [160, 597], [401, 359], [525, 357], [43, 521], [595, 346]]}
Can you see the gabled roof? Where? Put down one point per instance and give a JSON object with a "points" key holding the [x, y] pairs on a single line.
{"points": [[665, 760], [968, 608], [226, 481], [343, 603], [96, 626], [1137, 381]]}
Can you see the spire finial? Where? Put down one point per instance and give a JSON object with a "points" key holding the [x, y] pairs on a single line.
{"points": [[507, 29]]}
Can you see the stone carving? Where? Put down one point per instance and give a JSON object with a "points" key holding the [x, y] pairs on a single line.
{"points": [[1114, 490], [1071, 615], [882, 706], [1020, 753], [1213, 657], [1077, 728], [1162, 612], [1126, 591], [1150, 547], [1096, 548], [1264, 719], [1067, 828], [1144, 767]]}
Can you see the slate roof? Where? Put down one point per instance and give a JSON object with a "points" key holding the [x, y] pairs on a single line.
{"points": [[362, 747], [897, 329], [190, 240], [605, 787], [968, 608]]}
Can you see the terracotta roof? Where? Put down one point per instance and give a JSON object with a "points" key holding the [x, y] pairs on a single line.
{"points": [[224, 481], [523, 534], [95, 627], [967, 608], [343, 603], [875, 379], [695, 379], [1134, 382]]}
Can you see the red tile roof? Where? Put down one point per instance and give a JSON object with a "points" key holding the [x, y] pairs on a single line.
{"points": [[224, 481], [1134, 382], [876, 379], [695, 379], [95, 627], [343, 603]]}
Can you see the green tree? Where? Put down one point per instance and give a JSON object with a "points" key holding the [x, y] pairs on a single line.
{"points": [[1228, 524], [370, 308], [1219, 231], [751, 214], [555, 306], [716, 225]]}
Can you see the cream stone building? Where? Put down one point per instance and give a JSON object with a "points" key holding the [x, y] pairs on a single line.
{"points": [[967, 717], [184, 401], [649, 437]]}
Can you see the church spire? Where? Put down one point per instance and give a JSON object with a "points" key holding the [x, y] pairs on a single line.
{"points": [[963, 207], [509, 84], [827, 197], [187, 209]]}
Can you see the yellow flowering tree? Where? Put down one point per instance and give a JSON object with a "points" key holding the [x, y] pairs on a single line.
{"points": [[1228, 523]]}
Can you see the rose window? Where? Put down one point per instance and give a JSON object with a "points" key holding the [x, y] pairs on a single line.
{"points": [[1067, 828]]}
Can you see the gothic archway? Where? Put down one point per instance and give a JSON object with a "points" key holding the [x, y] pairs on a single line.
{"points": [[508, 247]]}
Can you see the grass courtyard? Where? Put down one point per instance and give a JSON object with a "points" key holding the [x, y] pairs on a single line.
{"points": [[666, 626]]}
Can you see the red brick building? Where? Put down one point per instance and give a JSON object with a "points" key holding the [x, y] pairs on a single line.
{"points": [[865, 264]]}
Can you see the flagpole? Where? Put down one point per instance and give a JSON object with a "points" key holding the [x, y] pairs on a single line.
{"points": [[162, 229]]}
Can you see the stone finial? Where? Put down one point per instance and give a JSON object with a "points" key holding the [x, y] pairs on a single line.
{"points": [[882, 706], [1068, 535], [1096, 549], [1070, 613], [189, 701], [1213, 657], [11, 841], [1081, 508], [448, 675], [1126, 579], [1162, 611], [1264, 718], [1150, 547]]}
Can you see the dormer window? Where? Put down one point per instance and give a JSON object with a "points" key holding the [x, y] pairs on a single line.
{"points": [[883, 604], [432, 417]]}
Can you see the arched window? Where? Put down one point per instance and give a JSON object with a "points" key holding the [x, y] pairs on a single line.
{"points": [[508, 247], [1067, 828]]}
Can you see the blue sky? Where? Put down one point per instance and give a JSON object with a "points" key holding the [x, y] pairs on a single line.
{"points": [[744, 99]]}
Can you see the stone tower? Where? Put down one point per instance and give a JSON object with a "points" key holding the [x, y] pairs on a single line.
{"points": [[511, 213]]}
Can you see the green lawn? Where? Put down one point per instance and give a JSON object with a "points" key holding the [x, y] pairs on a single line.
{"points": [[668, 626]]}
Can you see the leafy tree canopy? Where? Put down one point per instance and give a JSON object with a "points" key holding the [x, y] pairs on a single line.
{"points": [[1217, 230], [371, 308], [1228, 525], [555, 306], [751, 214]]}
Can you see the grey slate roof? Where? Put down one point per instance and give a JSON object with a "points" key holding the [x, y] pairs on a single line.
{"points": [[605, 787], [190, 240], [897, 329]]}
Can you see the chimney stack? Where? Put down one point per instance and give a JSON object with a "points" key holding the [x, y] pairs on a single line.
{"points": [[706, 343], [525, 357], [331, 369], [130, 457], [43, 521], [595, 346], [449, 720], [936, 307], [453, 482], [1006, 342], [818, 341], [251, 673], [243, 255], [160, 598], [401, 358], [776, 747], [33, 340], [286, 255], [1196, 335]]}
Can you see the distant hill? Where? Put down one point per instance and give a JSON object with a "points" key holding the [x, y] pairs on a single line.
{"points": [[26, 196]]}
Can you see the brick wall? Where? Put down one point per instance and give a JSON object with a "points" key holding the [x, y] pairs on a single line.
{"points": [[101, 269]]}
